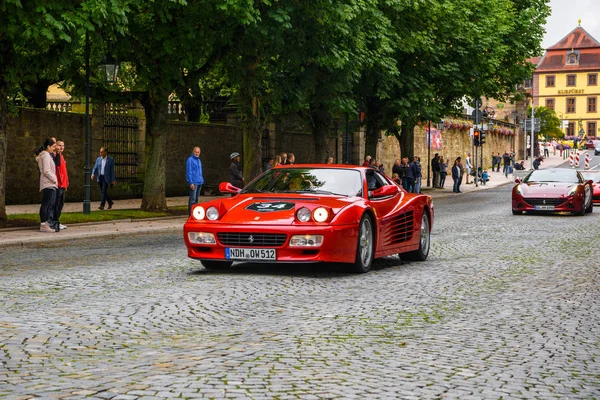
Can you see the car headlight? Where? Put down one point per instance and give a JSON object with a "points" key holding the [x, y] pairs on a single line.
{"points": [[306, 240], [320, 214], [518, 189], [198, 213], [212, 213], [201, 238], [303, 214], [572, 192]]}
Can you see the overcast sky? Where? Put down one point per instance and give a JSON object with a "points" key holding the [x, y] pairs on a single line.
{"points": [[565, 14]]}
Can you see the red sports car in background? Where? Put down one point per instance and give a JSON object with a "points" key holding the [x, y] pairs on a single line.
{"points": [[594, 176], [311, 213], [553, 190]]}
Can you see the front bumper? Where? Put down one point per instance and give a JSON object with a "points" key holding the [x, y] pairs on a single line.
{"points": [[339, 242], [562, 204]]}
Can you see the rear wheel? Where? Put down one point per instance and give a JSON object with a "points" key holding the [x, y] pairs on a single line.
{"points": [[216, 264], [423, 251], [364, 248]]}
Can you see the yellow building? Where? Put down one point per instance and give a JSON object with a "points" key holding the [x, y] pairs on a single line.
{"points": [[566, 80]]}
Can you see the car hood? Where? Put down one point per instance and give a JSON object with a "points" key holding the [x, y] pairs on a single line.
{"points": [[258, 209], [549, 189]]}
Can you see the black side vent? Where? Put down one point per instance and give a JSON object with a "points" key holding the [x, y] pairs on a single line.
{"points": [[402, 228]]}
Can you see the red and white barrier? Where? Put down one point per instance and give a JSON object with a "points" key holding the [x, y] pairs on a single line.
{"points": [[571, 159], [577, 160], [587, 161]]}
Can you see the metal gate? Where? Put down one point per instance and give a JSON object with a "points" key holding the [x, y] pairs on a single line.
{"points": [[120, 138]]}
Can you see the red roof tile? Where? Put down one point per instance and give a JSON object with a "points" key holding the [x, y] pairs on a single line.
{"points": [[578, 38]]}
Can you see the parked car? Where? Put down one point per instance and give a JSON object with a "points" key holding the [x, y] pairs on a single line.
{"points": [[553, 190], [311, 213]]}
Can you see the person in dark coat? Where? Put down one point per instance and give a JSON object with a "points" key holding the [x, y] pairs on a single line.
{"points": [[456, 175], [235, 171]]}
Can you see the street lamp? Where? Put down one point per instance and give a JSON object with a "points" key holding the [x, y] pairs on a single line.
{"points": [[110, 69]]}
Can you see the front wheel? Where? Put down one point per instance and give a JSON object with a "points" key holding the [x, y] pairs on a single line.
{"points": [[590, 206], [209, 264], [423, 251], [364, 248]]}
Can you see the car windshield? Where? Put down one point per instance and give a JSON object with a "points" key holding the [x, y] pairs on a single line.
{"points": [[345, 182], [553, 175]]}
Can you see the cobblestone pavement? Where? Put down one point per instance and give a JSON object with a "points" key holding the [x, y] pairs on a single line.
{"points": [[505, 307]]}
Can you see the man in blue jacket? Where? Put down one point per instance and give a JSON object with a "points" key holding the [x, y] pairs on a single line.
{"points": [[104, 170], [193, 175]]}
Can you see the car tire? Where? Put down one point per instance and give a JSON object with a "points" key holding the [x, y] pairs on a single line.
{"points": [[365, 246], [210, 264], [590, 207], [422, 252]]}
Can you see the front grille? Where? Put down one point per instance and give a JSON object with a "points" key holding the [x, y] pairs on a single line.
{"points": [[252, 239], [545, 202], [402, 228]]}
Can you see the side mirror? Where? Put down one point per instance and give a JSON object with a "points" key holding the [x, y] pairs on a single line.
{"points": [[226, 187], [518, 180], [385, 191], [589, 182]]}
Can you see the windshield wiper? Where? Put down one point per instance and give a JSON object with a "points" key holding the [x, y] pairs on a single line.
{"points": [[254, 191]]}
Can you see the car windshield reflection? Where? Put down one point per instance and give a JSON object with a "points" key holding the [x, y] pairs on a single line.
{"points": [[341, 182], [595, 177], [553, 175]]}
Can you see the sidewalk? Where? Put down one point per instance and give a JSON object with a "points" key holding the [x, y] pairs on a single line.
{"points": [[31, 236]]}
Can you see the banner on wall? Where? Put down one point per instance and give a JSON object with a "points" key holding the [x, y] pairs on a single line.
{"points": [[436, 138]]}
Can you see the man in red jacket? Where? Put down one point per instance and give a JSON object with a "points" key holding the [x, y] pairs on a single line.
{"points": [[63, 181]]}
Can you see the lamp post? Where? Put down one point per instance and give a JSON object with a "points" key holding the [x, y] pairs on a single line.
{"points": [[109, 69]]}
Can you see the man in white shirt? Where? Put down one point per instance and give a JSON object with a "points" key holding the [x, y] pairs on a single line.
{"points": [[468, 166]]}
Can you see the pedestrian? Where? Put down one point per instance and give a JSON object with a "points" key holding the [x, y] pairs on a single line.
{"points": [[545, 147], [283, 158], [235, 171], [536, 163], [396, 178], [408, 179], [416, 170], [494, 161], [456, 175], [277, 161], [396, 167], [485, 177], [269, 163], [468, 167], [194, 177], [443, 171], [520, 166], [62, 178], [291, 159], [498, 161], [367, 162], [105, 168], [507, 163], [48, 186], [435, 169], [329, 160], [379, 166]]}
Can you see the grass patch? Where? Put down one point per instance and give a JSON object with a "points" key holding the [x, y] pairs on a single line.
{"points": [[24, 220]]}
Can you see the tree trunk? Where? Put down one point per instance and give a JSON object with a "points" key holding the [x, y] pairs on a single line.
{"points": [[252, 147], [407, 139], [372, 137], [36, 93], [156, 106]]}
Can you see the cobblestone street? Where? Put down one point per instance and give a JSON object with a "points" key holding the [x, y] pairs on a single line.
{"points": [[505, 307]]}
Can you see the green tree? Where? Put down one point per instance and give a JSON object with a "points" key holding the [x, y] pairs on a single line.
{"points": [[549, 122]]}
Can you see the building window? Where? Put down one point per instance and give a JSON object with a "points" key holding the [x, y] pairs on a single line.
{"points": [[591, 128], [591, 107], [550, 80], [550, 104], [571, 129], [592, 79], [570, 104], [573, 57], [528, 84], [571, 80]]}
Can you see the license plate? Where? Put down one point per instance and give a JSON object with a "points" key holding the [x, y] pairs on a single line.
{"points": [[544, 208], [235, 253]]}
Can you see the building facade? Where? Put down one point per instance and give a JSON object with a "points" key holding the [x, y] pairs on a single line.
{"points": [[566, 81]]}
